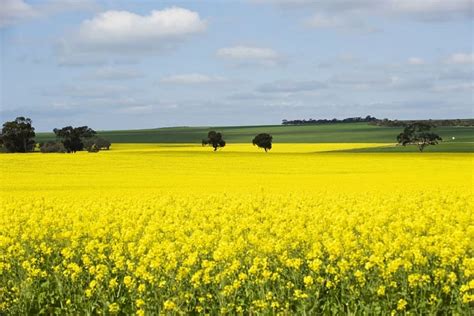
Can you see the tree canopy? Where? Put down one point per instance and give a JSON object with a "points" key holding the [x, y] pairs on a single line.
{"points": [[263, 140], [419, 134], [73, 137], [18, 135], [96, 142], [214, 139]]}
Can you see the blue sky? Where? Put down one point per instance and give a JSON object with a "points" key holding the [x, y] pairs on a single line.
{"points": [[143, 64]]}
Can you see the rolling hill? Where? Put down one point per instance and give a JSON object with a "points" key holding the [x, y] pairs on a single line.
{"points": [[334, 133]]}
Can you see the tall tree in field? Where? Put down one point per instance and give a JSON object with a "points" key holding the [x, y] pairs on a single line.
{"points": [[263, 140], [419, 134], [72, 137], [214, 139], [18, 136]]}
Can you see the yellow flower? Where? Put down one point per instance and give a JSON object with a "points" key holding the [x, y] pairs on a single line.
{"points": [[113, 283], [169, 305], [127, 280], [308, 280], [401, 305], [114, 308], [381, 290]]}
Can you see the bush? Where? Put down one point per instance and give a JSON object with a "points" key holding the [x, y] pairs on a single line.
{"points": [[93, 149], [52, 147], [95, 144], [102, 143]]}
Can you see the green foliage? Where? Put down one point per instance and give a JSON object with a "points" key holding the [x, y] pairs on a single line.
{"points": [[418, 134], [95, 144], [263, 140], [93, 149], [52, 147], [102, 143], [214, 139], [18, 135], [72, 137]]}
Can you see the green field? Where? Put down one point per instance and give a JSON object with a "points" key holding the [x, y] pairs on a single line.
{"points": [[334, 133]]}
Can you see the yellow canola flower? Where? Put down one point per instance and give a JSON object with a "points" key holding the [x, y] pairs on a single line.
{"points": [[401, 305], [114, 308], [188, 230]]}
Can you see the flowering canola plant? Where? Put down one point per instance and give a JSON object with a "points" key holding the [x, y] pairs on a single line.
{"points": [[148, 229]]}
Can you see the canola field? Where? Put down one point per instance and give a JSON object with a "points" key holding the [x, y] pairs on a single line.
{"points": [[178, 229]]}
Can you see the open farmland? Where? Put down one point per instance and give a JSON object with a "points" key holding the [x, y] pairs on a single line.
{"points": [[177, 228], [331, 133]]}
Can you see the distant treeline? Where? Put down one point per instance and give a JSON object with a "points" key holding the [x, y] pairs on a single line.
{"points": [[358, 119], [380, 122], [400, 123]]}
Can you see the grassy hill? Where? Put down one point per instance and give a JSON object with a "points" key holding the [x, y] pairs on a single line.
{"points": [[334, 133]]}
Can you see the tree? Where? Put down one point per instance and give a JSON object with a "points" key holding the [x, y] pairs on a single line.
{"points": [[214, 139], [102, 143], [73, 137], [94, 144], [52, 147], [18, 135], [419, 134], [263, 140]]}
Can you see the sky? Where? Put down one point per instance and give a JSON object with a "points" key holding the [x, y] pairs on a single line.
{"points": [[145, 64]]}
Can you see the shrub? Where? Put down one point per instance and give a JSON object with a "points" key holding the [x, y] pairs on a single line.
{"points": [[52, 147]]}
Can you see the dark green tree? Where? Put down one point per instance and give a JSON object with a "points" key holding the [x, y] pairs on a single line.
{"points": [[18, 136], [52, 147], [73, 137], [419, 134], [96, 143], [214, 139], [103, 143], [263, 140]]}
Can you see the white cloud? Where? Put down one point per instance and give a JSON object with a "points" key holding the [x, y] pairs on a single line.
{"points": [[124, 33], [431, 9], [52, 7], [122, 28], [139, 109], [115, 73], [456, 74], [16, 11], [322, 21], [461, 58], [362, 80], [289, 86], [12, 11], [338, 22], [459, 87], [423, 10], [246, 96], [416, 61], [88, 91], [248, 54], [192, 78]]}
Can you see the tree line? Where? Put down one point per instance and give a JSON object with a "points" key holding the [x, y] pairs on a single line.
{"points": [[379, 122], [19, 136], [399, 123], [311, 121]]}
